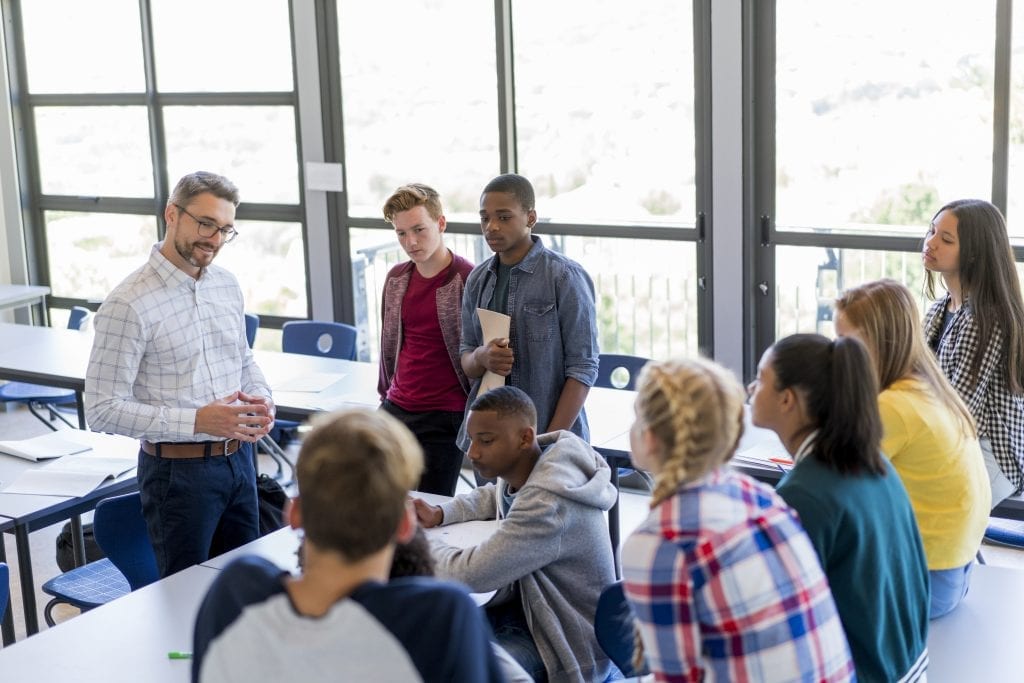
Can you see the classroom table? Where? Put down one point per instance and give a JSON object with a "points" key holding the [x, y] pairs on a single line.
{"points": [[21, 514], [125, 640], [16, 296]]}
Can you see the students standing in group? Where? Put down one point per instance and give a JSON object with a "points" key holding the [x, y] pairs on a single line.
{"points": [[421, 378], [821, 397], [551, 352], [170, 366], [928, 434], [724, 581], [977, 330]]}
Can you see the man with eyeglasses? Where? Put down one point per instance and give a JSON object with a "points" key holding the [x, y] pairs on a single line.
{"points": [[170, 366]]}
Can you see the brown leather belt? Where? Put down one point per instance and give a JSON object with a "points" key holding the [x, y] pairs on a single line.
{"points": [[190, 450]]}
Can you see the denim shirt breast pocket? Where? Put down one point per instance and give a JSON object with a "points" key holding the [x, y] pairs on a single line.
{"points": [[541, 320]]}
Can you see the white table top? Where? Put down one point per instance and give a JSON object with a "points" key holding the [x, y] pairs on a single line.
{"points": [[978, 640], [12, 296], [126, 640]]}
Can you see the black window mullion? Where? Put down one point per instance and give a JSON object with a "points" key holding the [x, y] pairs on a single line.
{"points": [[505, 64], [157, 142], [1001, 104], [702, 131]]}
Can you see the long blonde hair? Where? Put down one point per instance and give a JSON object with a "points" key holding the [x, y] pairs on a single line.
{"points": [[694, 408], [886, 317]]}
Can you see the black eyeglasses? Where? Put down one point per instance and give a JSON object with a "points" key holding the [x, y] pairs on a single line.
{"points": [[208, 229]]}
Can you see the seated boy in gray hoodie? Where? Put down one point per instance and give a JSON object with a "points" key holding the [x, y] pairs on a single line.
{"points": [[550, 557]]}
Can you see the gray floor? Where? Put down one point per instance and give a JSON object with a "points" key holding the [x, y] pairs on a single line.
{"points": [[19, 423]]}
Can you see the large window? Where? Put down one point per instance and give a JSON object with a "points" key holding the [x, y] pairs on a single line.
{"points": [[611, 151], [109, 125], [871, 126]]}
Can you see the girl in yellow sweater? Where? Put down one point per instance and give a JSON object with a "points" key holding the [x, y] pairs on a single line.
{"points": [[929, 435]]}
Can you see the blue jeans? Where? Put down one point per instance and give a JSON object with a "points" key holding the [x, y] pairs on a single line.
{"points": [[197, 508], [949, 586], [512, 633]]}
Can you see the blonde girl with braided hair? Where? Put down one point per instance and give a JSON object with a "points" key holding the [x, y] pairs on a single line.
{"points": [[724, 582]]}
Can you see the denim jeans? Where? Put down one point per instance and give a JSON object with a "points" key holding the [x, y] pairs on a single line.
{"points": [[436, 431], [949, 586], [512, 633], [197, 508]]}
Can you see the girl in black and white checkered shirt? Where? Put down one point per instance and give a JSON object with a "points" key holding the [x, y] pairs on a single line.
{"points": [[977, 330]]}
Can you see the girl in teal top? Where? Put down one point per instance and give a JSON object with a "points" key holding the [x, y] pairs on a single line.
{"points": [[821, 398]]}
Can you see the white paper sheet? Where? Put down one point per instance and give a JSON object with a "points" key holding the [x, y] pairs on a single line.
{"points": [[73, 476], [494, 326]]}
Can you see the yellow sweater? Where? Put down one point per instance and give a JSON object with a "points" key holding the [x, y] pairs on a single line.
{"points": [[942, 469]]}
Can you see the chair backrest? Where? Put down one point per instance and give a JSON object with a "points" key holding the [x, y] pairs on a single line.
{"points": [[319, 338], [615, 630], [619, 372], [5, 588], [77, 317], [252, 323], [121, 533]]}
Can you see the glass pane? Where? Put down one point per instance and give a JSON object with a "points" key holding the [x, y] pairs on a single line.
{"points": [[72, 47], [646, 289], [270, 263], [420, 100], [253, 146], [604, 109], [94, 151], [884, 110], [808, 280], [1015, 204], [237, 46], [90, 253]]}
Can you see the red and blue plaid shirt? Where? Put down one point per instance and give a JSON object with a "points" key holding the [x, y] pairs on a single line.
{"points": [[727, 587]]}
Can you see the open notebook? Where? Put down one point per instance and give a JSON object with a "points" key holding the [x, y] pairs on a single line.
{"points": [[72, 476], [44, 447]]}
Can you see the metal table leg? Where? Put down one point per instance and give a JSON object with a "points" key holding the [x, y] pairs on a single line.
{"points": [[28, 589]]}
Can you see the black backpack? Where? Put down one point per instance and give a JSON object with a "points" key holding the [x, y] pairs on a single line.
{"points": [[272, 499]]}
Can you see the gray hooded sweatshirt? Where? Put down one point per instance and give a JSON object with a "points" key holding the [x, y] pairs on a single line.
{"points": [[554, 542]]}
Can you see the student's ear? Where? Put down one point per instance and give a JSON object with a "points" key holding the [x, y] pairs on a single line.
{"points": [[531, 218], [407, 524], [527, 435], [442, 223], [293, 513]]}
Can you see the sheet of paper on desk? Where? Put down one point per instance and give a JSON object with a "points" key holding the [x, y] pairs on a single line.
{"points": [[312, 383], [493, 326], [73, 476], [44, 447], [464, 534], [347, 401]]}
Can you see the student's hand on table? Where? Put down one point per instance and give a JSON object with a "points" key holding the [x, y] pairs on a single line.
{"points": [[428, 515], [496, 356], [232, 420]]}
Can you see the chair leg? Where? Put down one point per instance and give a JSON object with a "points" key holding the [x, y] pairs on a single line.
{"points": [[280, 458], [48, 611], [54, 413], [39, 416]]}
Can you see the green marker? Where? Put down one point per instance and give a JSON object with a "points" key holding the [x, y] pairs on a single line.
{"points": [[179, 655]]}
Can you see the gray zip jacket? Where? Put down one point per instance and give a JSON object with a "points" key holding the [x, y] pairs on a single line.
{"points": [[554, 542]]}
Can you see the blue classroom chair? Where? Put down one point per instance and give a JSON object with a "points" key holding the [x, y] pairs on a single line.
{"points": [[614, 627], [5, 589], [130, 563]]}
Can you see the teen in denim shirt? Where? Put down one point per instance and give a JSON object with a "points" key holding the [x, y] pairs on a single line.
{"points": [[551, 352]]}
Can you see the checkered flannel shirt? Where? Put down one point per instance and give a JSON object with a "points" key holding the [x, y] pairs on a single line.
{"points": [[998, 413], [727, 587]]}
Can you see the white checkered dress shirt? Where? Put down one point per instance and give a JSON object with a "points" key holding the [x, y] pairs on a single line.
{"points": [[998, 413], [167, 344]]}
